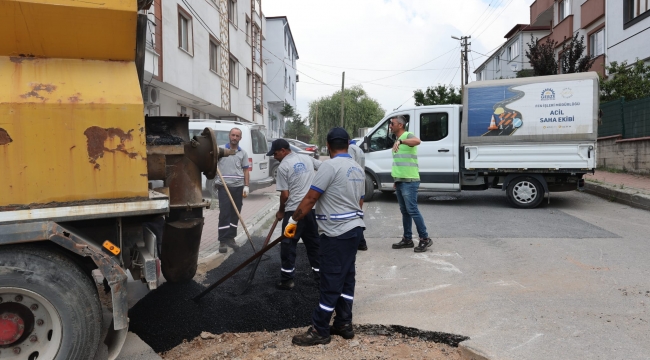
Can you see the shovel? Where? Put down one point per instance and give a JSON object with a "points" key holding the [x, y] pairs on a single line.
{"points": [[251, 276]]}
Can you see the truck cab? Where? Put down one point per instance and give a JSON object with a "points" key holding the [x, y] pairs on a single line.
{"points": [[438, 127]]}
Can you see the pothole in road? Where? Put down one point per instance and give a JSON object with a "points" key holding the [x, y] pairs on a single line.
{"points": [[261, 322]]}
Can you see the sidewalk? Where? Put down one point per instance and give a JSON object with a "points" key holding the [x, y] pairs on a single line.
{"points": [[629, 189], [256, 209]]}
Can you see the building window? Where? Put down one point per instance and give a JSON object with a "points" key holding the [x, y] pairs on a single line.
{"points": [[564, 9], [634, 8], [234, 71], [513, 51], [232, 11], [214, 56], [248, 30], [597, 43], [184, 31], [285, 77], [484, 74], [249, 80], [257, 93], [257, 46], [478, 76], [497, 62]]}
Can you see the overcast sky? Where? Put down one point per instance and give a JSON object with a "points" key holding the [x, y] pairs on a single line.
{"points": [[393, 35]]}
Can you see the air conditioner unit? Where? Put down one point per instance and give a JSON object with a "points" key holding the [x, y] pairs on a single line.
{"points": [[151, 96]]}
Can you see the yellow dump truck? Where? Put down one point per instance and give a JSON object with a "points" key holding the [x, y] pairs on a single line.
{"points": [[77, 158]]}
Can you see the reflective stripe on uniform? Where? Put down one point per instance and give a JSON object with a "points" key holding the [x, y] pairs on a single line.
{"points": [[347, 297], [326, 308], [224, 227], [233, 225], [287, 271], [404, 164], [405, 156]]}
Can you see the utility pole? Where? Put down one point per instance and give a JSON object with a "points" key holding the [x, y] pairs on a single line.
{"points": [[342, 90], [316, 128], [464, 64], [465, 57]]}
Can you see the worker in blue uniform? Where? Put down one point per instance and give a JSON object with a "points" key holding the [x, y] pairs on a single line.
{"points": [[337, 190]]}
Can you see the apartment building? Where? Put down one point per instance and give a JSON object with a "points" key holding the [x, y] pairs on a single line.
{"points": [[511, 56], [568, 17], [204, 59], [628, 30], [281, 54]]}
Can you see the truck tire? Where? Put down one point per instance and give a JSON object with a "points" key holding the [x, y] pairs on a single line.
{"points": [[53, 299], [370, 189], [525, 192]]}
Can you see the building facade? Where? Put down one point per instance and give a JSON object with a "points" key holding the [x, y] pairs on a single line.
{"points": [[281, 54], [568, 17], [511, 56], [628, 30], [204, 59]]}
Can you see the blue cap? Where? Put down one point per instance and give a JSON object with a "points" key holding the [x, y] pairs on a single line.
{"points": [[277, 145], [337, 133]]}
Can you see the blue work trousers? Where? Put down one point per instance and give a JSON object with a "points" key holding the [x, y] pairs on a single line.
{"points": [[337, 257], [307, 230], [407, 197]]}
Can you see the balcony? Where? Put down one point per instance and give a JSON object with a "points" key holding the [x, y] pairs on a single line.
{"points": [[541, 13], [591, 11], [562, 31]]}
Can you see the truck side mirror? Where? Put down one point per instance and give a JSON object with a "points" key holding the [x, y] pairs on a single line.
{"points": [[364, 145]]}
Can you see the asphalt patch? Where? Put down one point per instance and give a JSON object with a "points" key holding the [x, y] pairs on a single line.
{"points": [[390, 330], [167, 315]]}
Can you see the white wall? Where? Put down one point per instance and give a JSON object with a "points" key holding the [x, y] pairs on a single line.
{"points": [[191, 72], [625, 44], [491, 71]]}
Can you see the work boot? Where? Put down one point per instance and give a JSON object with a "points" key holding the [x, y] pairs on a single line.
{"points": [[423, 245], [223, 248], [345, 331], [231, 243], [403, 244], [362, 247], [285, 284], [310, 338]]}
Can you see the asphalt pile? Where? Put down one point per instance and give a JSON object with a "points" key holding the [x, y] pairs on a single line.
{"points": [[168, 315]]}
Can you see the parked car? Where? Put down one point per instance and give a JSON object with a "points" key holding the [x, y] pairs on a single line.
{"points": [[307, 147], [356, 141], [273, 164], [253, 141]]}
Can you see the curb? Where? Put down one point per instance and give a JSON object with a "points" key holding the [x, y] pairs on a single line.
{"points": [[623, 196], [254, 224]]}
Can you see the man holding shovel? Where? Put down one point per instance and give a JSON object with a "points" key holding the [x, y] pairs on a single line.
{"points": [[295, 174], [234, 170]]}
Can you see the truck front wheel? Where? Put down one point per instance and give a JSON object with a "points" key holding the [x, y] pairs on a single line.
{"points": [[370, 189], [525, 192], [49, 308]]}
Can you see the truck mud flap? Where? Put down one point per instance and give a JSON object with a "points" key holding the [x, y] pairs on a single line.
{"points": [[107, 264]]}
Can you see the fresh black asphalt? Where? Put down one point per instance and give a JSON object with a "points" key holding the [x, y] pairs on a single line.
{"points": [[167, 316]]}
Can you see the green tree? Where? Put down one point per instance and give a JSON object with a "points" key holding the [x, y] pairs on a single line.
{"points": [[438, 95], [524, 73], [541, 56], [360, 111], [296, 128], [572, 59], [631, 81]]}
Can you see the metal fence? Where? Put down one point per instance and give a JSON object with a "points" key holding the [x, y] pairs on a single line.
{"points": [[631, 119]]}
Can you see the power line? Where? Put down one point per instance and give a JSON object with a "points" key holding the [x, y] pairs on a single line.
{"points": [[504, 9]]}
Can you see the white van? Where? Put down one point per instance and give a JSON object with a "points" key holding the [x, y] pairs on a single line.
{"points": [[252, 141]]}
